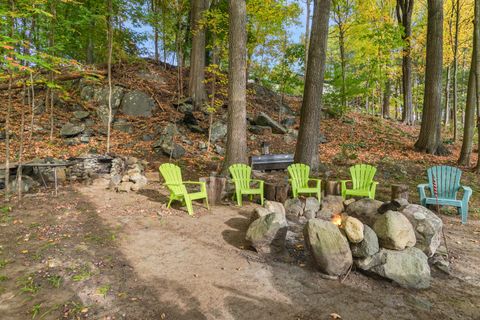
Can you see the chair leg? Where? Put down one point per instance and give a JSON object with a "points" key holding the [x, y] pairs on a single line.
{"points": [[206, 203], [169, 202], [239, 199], [261, 199], [344, 194], [251, 197], [319, 195], [464, 212], [189, 206]]}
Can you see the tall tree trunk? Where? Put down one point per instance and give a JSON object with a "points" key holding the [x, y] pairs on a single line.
{"points": [[32, 101], [197, 59], [109, 69], [154, 8], [430, 139], [476, 57], [307, 34], [469, 124], [455, 73], [386, 99], [237, 85], [7, 137], [307, 144], [446, 116], [404, 12]]}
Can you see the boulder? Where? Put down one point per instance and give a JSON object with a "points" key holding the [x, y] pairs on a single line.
{"points": [[137, 103], [312, 204], [353, 229], [263, 119], [71, 130], [330, 205], [81, 115], [100, 95], [294, 207], [365, 210], [274, 206], [394, 231], [267, 234], [260, 130], [309, 214], [427, 227], [258, 213], [368, 246], [409, 268], [218, 131], [125, 186], [123, 126], [328, 247], [26, 185], [166, 143], [139, 180], [288, 122]]}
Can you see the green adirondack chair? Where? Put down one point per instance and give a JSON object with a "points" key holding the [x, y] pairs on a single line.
{"points": [[447, 180], [178, 191], [241, 176], [299, 177], [362, 182]]}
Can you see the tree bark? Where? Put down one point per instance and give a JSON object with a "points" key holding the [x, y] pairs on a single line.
{"points": [[476, 58], [109, 69], [307, 35], [307, 144], [386, 99], [469, 125], [455, 74], [446, 116], [404, 12], [197, 59], [430, 139], [237, 85]]}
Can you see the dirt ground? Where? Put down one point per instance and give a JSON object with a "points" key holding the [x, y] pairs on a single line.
{"points": [[94, 254]]}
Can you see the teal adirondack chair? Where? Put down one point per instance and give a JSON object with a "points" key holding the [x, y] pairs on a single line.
{"points": [[299, 177], [178, 191], [362, 182], [241, 176], [447, 180]]}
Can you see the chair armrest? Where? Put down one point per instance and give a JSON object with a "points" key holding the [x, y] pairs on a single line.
{"points": [[467, 193], [421, 190], [172, 184], [260, 182], [344, 183], [373, 185]]}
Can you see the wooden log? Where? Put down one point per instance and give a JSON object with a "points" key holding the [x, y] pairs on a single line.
{"points": [[216, 188], [276, 191], [399, 191], [332, 188]]}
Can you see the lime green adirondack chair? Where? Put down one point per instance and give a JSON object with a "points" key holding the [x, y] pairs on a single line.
{"points": [[362, 182], [178, 191], [299, 178], [241, 176]]}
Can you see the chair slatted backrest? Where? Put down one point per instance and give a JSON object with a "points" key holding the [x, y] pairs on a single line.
{"points": [[173, 178], [362, 175], [447, 179], [299, 173], [241, 174]]}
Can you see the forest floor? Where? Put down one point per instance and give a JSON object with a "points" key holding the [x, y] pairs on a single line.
{"points": [[93, 254]]}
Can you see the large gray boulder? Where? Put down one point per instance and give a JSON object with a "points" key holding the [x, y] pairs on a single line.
{"points": [[427, 226], [409, 268], [263, 119], [368, 246], [312, 204], [394, 231], [267, 234], [218, 131], [365, 210], [137, 103], [71, 130], [330, 205], [328, 247], [166, 143], [294, 207], [100, 95], [274, 206]]}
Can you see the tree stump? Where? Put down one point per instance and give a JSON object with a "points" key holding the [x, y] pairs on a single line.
{"points": [[332, 188], [216, 188], [276, 191], [399, 191]]}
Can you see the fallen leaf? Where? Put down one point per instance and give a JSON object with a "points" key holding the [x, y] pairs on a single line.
{"points": [[335, 316]]}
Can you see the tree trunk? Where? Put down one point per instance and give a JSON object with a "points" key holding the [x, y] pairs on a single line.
{"points": [[237, 85], [469, 125], [197, 58], [386, 100], [307, 144], [109, 70], [404, 12], [476, 58], [455, 67], [91, 45], [307, 35], [430, 139], [446, 116]]}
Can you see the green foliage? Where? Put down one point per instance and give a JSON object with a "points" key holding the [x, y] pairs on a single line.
{"points": [[55, 281]]}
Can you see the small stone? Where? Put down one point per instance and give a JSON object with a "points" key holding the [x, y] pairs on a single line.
{"points": [[125, 187], [354, 229], [125, 178], [81, 115], [368, 246]]}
